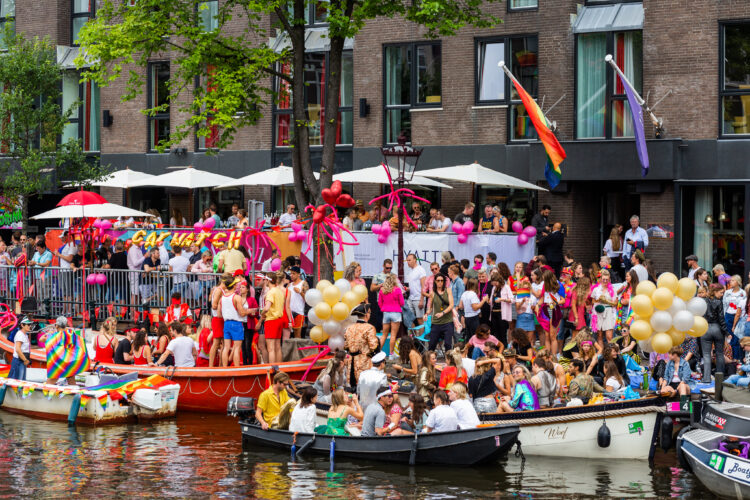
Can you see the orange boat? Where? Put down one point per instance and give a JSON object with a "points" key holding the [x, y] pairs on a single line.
{"points": [[202, 389]]}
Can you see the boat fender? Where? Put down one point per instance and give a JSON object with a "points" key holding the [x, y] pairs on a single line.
{"points": [[413, 454], [667, 428], [294, 445], [75, 405], [603, 437], [2, 394], [678, 448]]}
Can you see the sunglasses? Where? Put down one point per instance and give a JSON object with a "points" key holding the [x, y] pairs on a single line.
{"points": [[439, 280], [388, 268]]}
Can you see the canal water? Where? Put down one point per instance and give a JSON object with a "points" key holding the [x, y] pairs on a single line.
{"points": [[199, 456]]}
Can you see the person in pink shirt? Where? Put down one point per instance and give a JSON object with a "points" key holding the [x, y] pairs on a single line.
{"points": [[479, 339], [390, 301]]}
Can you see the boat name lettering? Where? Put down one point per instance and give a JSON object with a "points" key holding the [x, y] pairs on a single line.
{"points": [[556, 432], [715, 420], [737, 469]]}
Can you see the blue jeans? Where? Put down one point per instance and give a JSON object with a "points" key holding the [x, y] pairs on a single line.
{"points": [[477, 353], [733, 341], [739, 380], [17, 369]]}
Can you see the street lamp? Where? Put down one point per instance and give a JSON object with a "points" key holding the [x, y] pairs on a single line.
{"points": [[403, 159]]}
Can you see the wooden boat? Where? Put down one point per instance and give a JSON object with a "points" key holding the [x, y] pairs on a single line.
{"points": [[725, 474], [727, 418]]}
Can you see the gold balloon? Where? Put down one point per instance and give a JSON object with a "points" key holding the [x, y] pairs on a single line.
{"points": [[661, 342], [642, 306], [322, 285], [668, 281], [322, 310], [361, 292], [331, 295], [340, 311], [662, 298], [350, 299], [645, 288], [699, 327], [685, 289], [677, 336], [317, 334], [640, 330]]}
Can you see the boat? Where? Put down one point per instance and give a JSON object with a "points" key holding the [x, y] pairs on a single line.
{"points": [[468, 447], [735, 394], [725, 474], [153, 398], [727, 418]]}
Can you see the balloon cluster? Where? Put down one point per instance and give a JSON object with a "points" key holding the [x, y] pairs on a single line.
{"points": [[102, 224], [207, 225], [666, 312], [382, 230], [524, 233], [96, 279], [331, 310], [298, 232], [330, 224], [463, 230]]}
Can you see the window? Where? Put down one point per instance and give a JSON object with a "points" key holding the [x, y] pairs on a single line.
{"points": [[158, 96], [735, 79], [7, 19], [211, 140], [208, 15], [602, 110], [84, 123], [522, 4], [83, 10], [316, 12], [413, 78], [315, 78]]}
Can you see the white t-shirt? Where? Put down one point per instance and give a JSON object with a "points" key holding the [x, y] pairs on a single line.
{"points": [[640, 270], [469, 365], [286, 219], [174, 222], [612, 253], [413, 277], [468, 298], [303, 419], [465, 413], [182, 349], [613, 383], [25, 345], [296, 302], [179, 264], [528, 307], [68, 250], [442, 418]]}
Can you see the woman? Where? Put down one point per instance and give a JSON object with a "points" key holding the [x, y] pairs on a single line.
{"points": [[503, 380], [578, 304], [627, 292], [471, 305], [522, 345], [479, 341], [613, 246], [613, 381], [162, 341], [206, 216], [484, 290], [701, 277], [205, 340], [427, 378], [391, 302], [734, 299], [457, 289], [330, 378], [605, 300], [353, 274], [524, 395], [410, 360], [343, 405], [501, 315], [105, 343], [549, 311], [454, 371], [177, 220], [588, 353], [482, 385], [628, 344], [303, 416], [440, 305], [544, 381], [415, 417], [141, 351], [502, 220], [717, 330], [244, 222], [361, 342], [459, 397]]}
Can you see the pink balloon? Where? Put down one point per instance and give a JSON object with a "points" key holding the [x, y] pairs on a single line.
{"points": [[91, 279], [97, 224], [293, 236], [275, 264], [517, 227], [301, 235], [468, 227], [296, 226], [198, 226], [209, 224], [105, 225], [463, 238], [382, 238], [457, 227], [101, 279], [522, 239], [376, 228], [385, 229], [529, 231]]}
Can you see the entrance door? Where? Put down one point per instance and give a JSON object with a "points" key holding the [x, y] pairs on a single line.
{"points": [[617, 208]]}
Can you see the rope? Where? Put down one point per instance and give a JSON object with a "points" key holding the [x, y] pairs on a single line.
{"points": [[579, 416]]}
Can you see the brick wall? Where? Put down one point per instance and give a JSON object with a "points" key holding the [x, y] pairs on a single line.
{"points": [[659, 209], [113, 195]]}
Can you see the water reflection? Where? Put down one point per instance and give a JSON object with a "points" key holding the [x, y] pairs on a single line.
{"points": [[201, 456]]}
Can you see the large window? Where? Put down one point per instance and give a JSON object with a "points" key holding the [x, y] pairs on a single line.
{"points": [[413, 78], [735, 79], [158, 96], [316, 12], [7, 19], [83, 10], [602, 111], [208, 13], [83, 99], [522, 4], [316, 75]]}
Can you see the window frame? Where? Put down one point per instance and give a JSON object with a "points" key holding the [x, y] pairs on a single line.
{"points": [[199, 18], [5, 20], [80, 121], [610, 79], [727, 93], [413, 87], [526, 9], [149, 93], [76, 15]]}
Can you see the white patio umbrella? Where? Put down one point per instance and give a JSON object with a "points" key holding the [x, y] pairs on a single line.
{"points": [[478, 174], [187, 178], [277, 176], [94, 210], [377, 175], [122, 179]]}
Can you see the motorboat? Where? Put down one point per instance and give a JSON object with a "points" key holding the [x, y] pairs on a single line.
{"points": [[719, 461]]}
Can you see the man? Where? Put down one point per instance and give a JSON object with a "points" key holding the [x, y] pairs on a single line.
{"points": [[135, 262], [489, 223], [203, 267], [490, 262], [266, 266], [181, 347], [583, 385], [636, 238], [379, 279], [636, 262], [692, 263], [287, 217], [297, 289], [231, 259], [178, 311], [195, 254], [415, 276], [440, 223], [21, 350], [371, 380], [551, 246], [271, 400], [510, 356], [466, 215], [419, 217], [124, 346], [442, 417], [234, 219], [541, 222], [214, 215], [373, 423], [179, 265]]}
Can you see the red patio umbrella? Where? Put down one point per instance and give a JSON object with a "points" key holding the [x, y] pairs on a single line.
{"points": [[82, 198]]}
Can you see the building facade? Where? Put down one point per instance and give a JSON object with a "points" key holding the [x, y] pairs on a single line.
{"points": [[449, 96]]}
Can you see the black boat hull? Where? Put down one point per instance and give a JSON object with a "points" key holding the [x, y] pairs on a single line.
{"points": [[727, 418]]}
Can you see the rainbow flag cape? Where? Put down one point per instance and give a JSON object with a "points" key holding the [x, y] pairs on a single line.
{"points": [[555, 152], [523, 293], [66, 354]]}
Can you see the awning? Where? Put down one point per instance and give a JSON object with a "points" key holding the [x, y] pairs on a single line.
{"points": [[316, 40], [617, 17], [67, 55]]}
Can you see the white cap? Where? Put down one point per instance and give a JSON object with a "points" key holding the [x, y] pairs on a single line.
{"points": [[378, 358]]}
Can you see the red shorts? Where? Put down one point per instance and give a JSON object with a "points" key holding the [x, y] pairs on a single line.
{"points": [[273, 329], [201, 361], [299, 320], [217, 326]]}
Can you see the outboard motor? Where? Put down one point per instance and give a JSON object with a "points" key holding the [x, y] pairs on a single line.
{"points": [[244, 408]]}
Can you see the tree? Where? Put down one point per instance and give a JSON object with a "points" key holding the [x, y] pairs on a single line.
{"points": [[238, 72], [31, 121]]}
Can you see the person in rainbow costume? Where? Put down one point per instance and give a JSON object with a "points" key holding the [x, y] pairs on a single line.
{"points": [[66, 352], [524, 395]]}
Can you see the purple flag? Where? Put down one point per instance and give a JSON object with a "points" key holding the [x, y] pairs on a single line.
{"points": [[640, 135]]}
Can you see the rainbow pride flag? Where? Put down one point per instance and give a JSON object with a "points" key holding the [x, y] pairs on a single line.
{"points": [[66, 354], [523, 293], [555, 152], [4, 371]]}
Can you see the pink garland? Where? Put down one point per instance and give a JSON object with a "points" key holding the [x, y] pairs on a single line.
{"points": [[394, 197]]}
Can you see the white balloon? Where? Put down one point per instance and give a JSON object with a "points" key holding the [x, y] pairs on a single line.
{"points": [[661, 321], [314, 319], [331, 327], [312, 297], [336, 343], [683, 321], [697, 306], [342, 285], [646, 345], [677, 305]]}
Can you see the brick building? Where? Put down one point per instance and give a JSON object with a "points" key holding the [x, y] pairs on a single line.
{"points": [[451, 99]]}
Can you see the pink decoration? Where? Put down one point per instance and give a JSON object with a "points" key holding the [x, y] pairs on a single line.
{"points": [[463, 230], [376, 228], [209, 224], [275, 264], [517, 227], [457, 228], [101, 279], [292, 236], [530, 231], [523, 239], [97, 224], [296, 226], [468, 227], [105, 224], [394, 198], [462, 238], [301, 235], [91, 279], [382, 238], [198, 226], [329, 224]]}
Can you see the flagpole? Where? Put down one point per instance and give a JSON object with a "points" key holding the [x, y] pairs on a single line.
{"points": [[507, 71], [608, 59]]}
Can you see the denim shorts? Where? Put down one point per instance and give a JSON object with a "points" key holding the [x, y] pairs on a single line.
{"points": [[391, 317]]}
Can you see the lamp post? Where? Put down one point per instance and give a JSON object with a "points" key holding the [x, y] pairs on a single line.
{"points": [[403, 159]]}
